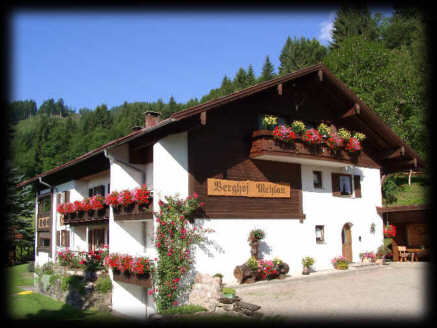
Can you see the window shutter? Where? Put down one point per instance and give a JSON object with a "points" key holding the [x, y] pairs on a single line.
{"points": [[67, 196], [357, 186], [67, 235], [58, 199], [90, 192], [109, 188], [58, 237], [335, 185]]}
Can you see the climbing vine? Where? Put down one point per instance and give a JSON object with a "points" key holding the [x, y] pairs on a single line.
{"points": [[176, 235]]}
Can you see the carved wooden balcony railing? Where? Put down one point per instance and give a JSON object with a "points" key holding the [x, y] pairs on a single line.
{"points": [[134, 211], [264, 144], [95, 216]]}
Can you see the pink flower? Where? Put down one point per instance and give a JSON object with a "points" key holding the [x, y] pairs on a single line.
{"points": [[195, 195]]}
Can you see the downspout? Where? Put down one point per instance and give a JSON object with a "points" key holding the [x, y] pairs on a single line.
{"points": [[54, 228], [112, 159]]}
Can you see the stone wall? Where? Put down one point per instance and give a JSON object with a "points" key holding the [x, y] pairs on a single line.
{"points": [[86, 298], [206, 291]]}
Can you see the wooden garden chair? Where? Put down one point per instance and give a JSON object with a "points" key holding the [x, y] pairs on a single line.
{"points": [[403, 254]]}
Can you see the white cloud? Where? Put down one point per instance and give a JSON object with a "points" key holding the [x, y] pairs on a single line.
{"points": [[326, 28]]}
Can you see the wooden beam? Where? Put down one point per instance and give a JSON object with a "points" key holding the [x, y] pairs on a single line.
{"points": [[320, 73], [352, 112], [392, 153], [203, 118], [280, 89], [392, 166]]}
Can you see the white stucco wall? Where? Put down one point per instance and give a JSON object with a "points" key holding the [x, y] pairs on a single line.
{"points": [[291, 240], [130, 237]]}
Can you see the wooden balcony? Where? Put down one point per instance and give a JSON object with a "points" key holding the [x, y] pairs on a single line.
{"points": [[95, 216], [134, 279], [265, 147], [134, 212]]}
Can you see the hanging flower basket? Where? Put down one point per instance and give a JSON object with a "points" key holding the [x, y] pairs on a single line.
{"points": [[389, 231]]}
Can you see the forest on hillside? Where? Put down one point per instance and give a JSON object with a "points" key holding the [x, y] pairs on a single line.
{"points": [[382, 59]]}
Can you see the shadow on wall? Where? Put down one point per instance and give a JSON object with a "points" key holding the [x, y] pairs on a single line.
{"points": [[264, 249]]}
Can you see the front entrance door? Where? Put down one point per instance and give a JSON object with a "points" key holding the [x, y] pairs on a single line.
{"points": [[96, 239], [346, 240]]}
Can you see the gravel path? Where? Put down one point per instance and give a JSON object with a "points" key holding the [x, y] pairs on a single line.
{"points": [[396, 290]]}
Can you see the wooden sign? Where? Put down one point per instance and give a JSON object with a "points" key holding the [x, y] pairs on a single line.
{"points": [[220, 187]]}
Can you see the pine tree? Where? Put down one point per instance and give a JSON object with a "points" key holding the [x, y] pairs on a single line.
{"points": [[226, 86], [250, 78], [300, 53], [240, 79], [267, 71], [353, 20]]}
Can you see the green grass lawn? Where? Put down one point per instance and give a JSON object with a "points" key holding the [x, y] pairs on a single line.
{"points": [[415, 194], [38, 306]]}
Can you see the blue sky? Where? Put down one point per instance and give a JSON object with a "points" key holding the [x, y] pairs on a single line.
{"points": [[94, 58]]}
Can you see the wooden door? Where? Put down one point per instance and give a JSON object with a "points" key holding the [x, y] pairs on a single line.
{"points": [[346, 240]]}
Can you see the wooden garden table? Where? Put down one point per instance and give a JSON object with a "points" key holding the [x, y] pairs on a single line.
{"points": [[414, 251]]}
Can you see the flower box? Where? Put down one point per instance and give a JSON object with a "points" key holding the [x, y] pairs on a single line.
{"points": [[133, 211], [86, 216], [144, 280]]}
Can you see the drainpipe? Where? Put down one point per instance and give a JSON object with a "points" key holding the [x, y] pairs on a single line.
{"points": [[54, 228], [112, 159]]}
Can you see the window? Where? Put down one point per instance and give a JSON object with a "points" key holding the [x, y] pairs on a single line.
{"points": [[317, 179], [345, 185], [320, 234], [99, 190], [46, 205], [43, 239], [96, 239]]}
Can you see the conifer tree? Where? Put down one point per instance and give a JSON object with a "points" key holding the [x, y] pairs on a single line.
{"points": [[240, 79], [251, 79], [267, 71], [226, 86], [353, 20], [299, 53]]}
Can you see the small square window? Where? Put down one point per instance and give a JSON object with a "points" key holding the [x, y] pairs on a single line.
{"points": [[320, 233], [317, 179]]}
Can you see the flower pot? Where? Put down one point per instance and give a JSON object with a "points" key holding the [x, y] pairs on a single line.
{"points": [[306, 270]]}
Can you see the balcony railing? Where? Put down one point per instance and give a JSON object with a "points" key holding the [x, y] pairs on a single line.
{"points": [[82, 217], [264, 146], [134, 211]]}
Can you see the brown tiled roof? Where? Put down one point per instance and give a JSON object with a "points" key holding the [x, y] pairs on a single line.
{"points": [[371, 118]]}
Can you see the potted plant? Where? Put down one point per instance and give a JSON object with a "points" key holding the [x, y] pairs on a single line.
{"points": [[381, 253], [344, 134], [340, 263], [228, 292], [220, 278], [255, 236], [323, 130], [353, 145], [367, 257], [307, 262], [312, 137], [283, 133], [269, 121], [389, 231], [298, 127]]}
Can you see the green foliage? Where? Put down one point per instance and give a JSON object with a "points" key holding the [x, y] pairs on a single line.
{"points": [[397, 192], [103, 284], [73, 282], [31, 266], [175, 240], [388, 82], [47, 268], [218, 275], [185, 309], [268, 71], [300, 53], [354, 20], [228, 290], [307, 261], [53, 278], [252, 263]]}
